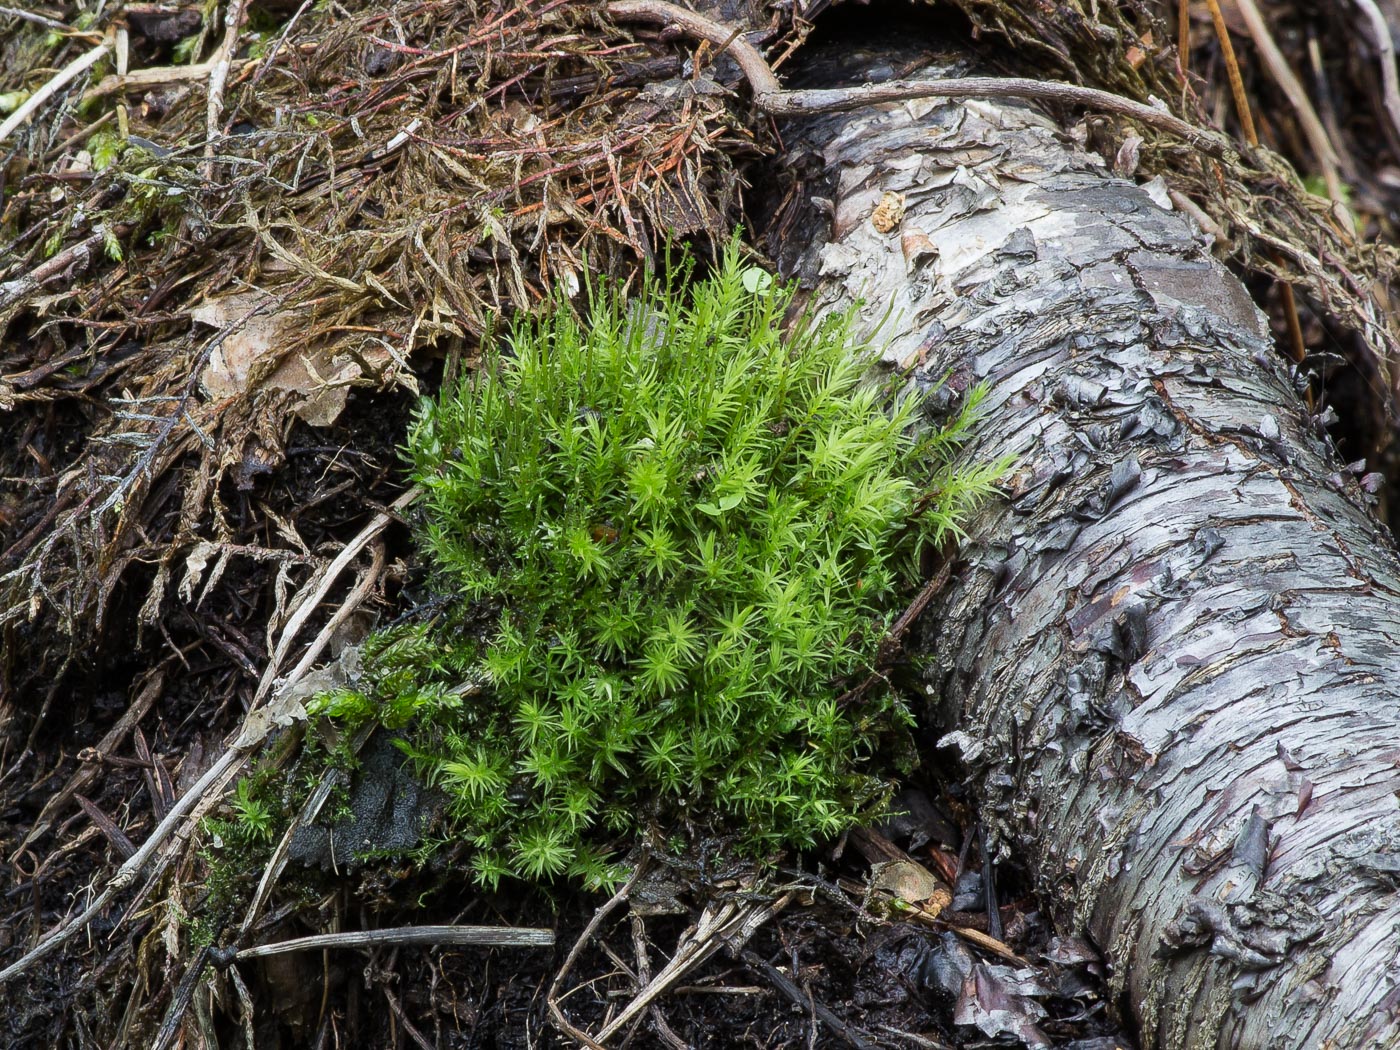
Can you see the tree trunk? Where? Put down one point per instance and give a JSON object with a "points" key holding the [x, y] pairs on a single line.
{"points": [[1173, 651]]}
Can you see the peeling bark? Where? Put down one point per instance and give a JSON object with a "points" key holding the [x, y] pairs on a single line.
{"points": [[1173, 652]]}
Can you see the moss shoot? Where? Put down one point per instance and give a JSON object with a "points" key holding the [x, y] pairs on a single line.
{"points": [[669, 536]]}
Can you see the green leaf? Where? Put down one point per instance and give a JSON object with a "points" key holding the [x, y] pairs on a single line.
{"points": [[756, 281]]}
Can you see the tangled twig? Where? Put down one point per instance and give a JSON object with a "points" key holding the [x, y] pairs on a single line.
{"points": [[771, 97]]}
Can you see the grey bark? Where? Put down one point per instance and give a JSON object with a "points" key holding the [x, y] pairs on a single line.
{"points": [[1172, 654]]}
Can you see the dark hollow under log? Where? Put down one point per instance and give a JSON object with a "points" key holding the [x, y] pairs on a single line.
{"points": [[1172, 654]]}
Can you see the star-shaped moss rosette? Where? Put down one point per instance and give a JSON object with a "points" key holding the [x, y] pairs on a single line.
{"points": [[673, 532]]}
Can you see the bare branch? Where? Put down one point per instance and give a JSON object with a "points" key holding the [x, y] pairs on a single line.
{"points": [[771, 97]]}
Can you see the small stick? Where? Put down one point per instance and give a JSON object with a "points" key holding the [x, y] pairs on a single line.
{"points": [[55, 84], [47, 23], [256, 725], [218, 77], [1204, 221], [1385, 47], [556, 1012], [772, 98], [416, 936], [149, 77], [74, 256], [150, 690], [1183, 38], [79, 136], [127, 873], [1283, 75], [1232, 70], [852, 1035], [328, 578], [318, 797], [180, 1002]]}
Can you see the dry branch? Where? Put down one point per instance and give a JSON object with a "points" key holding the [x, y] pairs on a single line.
{"points": [[409, 936], [772, 98], [53, 86]]}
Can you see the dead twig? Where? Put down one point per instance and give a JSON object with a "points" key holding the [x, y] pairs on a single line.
{"points": [[726, 923], [408, 1025], [1385, 50], [320, 585], [180, 1002], [257, 724], [72, 258], [218, 77], [134, 865], [852, 1035], [419, 936], [53, 86], [114, 834], [150, 690], [771, 97], [151, 77], [1318, 139], [312, 806], [1232, 70], [556, 1012]]}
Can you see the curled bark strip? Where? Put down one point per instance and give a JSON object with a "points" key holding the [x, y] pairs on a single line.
{"points": [[771, 97], [1183, 585]]}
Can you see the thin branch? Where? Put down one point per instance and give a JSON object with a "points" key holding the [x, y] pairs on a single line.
{"points": [[127, 873], [47, 23], [313, 805], [849, 1033], [323, 585], [1183, 39], [218, 76], [722, 923], [556, 1012], [259, 721], [1277, 65], [771, 97], [147, 78], [1232, 70], [75, 256], [55, 84], [425, 936], [1385, 47]]}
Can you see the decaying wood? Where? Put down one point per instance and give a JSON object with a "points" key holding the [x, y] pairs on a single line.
{"points": [[1171, 654]]}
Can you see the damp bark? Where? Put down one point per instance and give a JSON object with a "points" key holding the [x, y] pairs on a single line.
{"points": [[1171, 658]]}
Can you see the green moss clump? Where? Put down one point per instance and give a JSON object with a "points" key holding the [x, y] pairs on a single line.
{"points": [[673, 536]]}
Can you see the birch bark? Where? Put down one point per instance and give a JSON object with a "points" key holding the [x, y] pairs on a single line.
{"points": [[1172, 656]]}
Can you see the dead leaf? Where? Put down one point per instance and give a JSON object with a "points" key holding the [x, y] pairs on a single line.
{"points": [[889, 213], [267, 350], [910, 881]]}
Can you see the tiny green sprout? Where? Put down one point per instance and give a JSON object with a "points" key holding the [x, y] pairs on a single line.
{"points": [[105, 148], [670, 535], [254, 816], [183, 53]]}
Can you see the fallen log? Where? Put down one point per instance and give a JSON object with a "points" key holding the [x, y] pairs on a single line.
{"points": [[1171, 660]]}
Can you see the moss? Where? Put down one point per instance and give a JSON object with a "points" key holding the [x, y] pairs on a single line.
{"points": [[673, 537]]}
